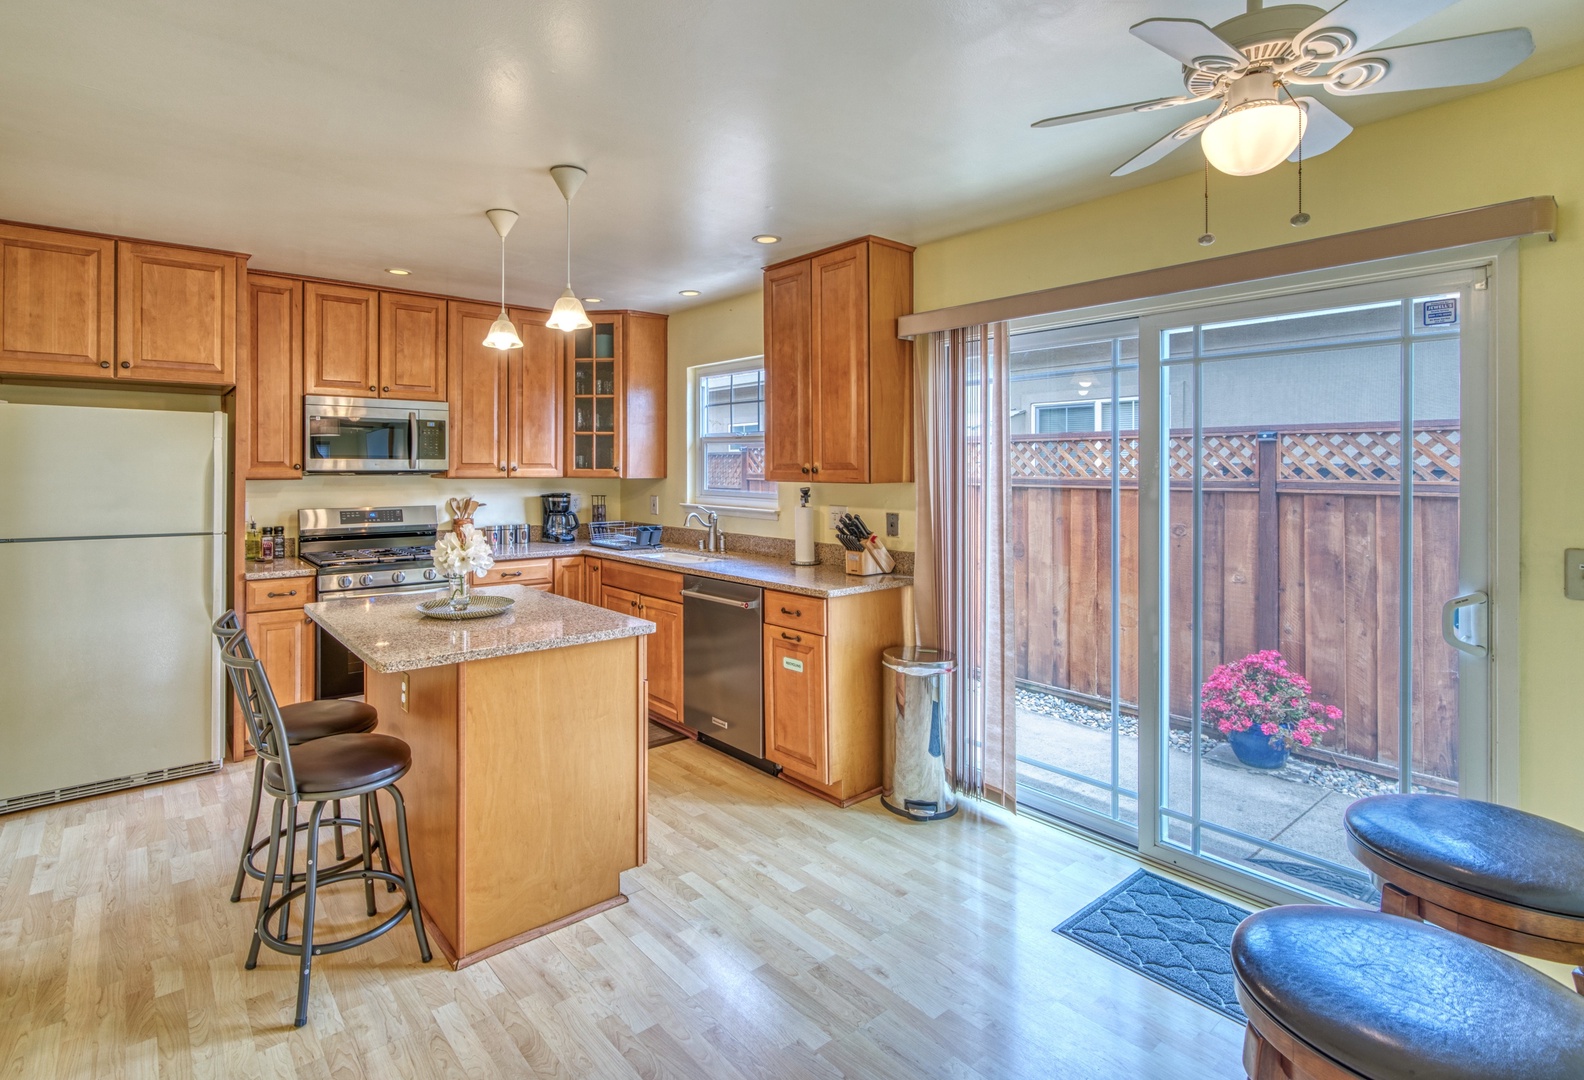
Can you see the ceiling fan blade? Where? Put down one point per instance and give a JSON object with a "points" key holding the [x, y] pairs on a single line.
{"points": [[1324, 130], [1115, 110], [1355, 25], [1190, 42], [1451, 62], [1166, 145]]}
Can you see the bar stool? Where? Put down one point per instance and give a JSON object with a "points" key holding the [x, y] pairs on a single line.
{"points": [[1343, 994], [1488, 872], [305, 721], [320, 772]]}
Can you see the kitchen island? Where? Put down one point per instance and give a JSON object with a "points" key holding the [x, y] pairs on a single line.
{"points": [[527, 794]]}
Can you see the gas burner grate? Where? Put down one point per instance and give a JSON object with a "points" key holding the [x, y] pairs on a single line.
{"points": [[368, 556]]}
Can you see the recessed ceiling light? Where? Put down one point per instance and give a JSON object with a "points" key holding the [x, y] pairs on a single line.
{"points": [[398, 271], [592, 300], [688, 292], [766, 238]]}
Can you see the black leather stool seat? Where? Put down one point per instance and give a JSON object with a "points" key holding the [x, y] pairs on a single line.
{"points": [[309, 720], [1394, 999], [343, 763], [1479, 847]]}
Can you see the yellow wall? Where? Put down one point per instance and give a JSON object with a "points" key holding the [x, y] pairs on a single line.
{"points": [[730, 330]]}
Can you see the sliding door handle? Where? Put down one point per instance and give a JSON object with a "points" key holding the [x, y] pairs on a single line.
{"points": [[1463, 623]]}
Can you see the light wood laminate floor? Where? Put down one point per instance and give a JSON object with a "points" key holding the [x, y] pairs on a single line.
{"points": [[770, 936]]}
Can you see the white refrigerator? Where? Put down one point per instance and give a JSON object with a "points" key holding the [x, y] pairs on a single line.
{"points": [[112, 568]]}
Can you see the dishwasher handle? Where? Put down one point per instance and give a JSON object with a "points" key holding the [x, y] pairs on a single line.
{"points": [[745, 605]]}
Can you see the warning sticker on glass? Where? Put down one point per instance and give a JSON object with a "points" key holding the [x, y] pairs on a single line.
{"points": [[791, 664], [1439, 312]]}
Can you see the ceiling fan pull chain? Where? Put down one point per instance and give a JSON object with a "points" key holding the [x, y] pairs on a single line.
{"points": [[1208, 237], [1299, 219]]}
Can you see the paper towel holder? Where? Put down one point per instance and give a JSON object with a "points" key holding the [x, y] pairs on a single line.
{"points": [[803, 531]]}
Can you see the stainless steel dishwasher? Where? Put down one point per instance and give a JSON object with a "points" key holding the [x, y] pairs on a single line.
{"points": [[722, 666]]}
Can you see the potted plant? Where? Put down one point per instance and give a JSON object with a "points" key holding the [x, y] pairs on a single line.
{"points": [[1264, 708]]}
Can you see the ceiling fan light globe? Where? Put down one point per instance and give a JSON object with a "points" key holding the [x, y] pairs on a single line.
{"points": [[502, 335], [568, 314], [1254, 137]]}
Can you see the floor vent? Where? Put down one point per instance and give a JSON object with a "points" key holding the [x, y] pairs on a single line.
{"points": [[101, 787]]}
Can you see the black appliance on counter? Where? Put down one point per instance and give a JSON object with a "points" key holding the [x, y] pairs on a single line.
{"points": [[560, 523]]}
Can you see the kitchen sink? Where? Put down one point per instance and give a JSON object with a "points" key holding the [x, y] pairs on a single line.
{"points": [[683, 558]]}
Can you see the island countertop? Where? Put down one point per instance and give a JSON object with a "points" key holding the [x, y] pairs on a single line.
{"points": [[389, 635]]}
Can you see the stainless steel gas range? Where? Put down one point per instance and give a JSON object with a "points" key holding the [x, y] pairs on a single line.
{"points": [[364, 551]]}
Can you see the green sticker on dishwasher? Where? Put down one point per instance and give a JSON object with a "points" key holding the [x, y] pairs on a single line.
{"points": [[791, 664]]}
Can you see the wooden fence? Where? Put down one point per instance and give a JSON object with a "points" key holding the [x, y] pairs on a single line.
{"points": [[1300, 549]]}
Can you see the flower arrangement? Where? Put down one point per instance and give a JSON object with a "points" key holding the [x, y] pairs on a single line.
{"points": [[1261, 693], [463, 551]]}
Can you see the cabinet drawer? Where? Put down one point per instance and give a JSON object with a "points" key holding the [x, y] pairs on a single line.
{"points": [[278, 594], [663, 584], [519, 572], [796, 612]]}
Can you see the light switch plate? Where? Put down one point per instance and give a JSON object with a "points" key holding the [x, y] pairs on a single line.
{"points": [[1573, 573], [836, 513], [654, 504], [893, 524]]}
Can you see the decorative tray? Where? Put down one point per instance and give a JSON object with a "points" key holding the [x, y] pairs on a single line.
{"points": [[480, 607]]}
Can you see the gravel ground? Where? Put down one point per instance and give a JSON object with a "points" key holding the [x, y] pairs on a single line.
{"points": [[1339, 778]]}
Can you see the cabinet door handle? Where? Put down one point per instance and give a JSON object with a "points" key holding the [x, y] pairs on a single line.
{"points": [[292, 593], [805, 470], [816, 470], [371, 388], [125, 364], [298, 467], [512, 573], [502, 466], [384, 389], [104, 363], [795, 614], [514, 467], [792, 637]]}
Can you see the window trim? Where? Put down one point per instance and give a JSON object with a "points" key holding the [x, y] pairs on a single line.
{"points": [[1098, 403], [767, 504]]}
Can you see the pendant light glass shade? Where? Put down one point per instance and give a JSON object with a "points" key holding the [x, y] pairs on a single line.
{"points": [[502, 334], [568, 314]]}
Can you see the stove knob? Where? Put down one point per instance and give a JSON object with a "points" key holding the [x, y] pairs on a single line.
{"points": [[343, 582], [366, 579], [398, 577], [431, 574]]}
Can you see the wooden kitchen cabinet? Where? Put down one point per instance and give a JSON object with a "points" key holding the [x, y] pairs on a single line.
{"points": [[412, 347], [176, 314], [655, 595], [341, 351], [57, 303], [506, 408], [838, 381], [534, 573], [571, 578], [282, 637], [616, 397], [272, 411], [823, 707]]}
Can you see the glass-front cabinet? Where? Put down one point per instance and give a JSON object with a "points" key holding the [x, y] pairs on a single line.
{"points": [[594, 426]]}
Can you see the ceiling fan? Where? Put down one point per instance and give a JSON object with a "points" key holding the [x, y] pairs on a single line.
{"points": [[1250, 66]]}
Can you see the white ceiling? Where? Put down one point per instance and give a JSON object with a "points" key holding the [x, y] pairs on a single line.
{"points": [[339, 137]]}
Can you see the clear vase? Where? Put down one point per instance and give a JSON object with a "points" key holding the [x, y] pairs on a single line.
{"points": [[461, 591]]}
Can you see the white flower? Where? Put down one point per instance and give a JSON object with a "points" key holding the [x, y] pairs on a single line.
{"points": [[461, 553]]}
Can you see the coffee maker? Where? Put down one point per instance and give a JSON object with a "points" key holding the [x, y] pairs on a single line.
{"points": [[560, 523]]}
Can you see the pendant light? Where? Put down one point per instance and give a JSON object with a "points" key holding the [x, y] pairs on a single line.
{"points": [[568, 313], [1258, 131], [502, 334]]}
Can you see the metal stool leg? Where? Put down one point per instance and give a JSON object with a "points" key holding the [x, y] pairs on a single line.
{"points": [[289, 871], [269, 883], [252, 828], [340, 851], [407, 874], [368, 854], [310, 895], [379, 837]]}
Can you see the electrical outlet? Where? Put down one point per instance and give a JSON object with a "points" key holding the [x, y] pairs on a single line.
{"points": [[654, 504], [405, 685], [893, 524], [1573, 573], [836, 513]]}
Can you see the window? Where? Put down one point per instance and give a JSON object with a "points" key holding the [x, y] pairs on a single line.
{"points": [[730, 458], [1067, 417]]}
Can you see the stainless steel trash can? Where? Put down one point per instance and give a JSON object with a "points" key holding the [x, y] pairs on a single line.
{"points": [[918, 702]]}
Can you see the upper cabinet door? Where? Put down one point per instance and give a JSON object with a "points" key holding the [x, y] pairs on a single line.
{"points": [[478, 393], [412, 347], [644, 397], [340, 340], [538, 376], [595, 398], [788, 319], [176, 312], [840, 431], [57, 303], [272, 409]]}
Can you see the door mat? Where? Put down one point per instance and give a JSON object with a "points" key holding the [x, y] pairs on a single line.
{"points": [[1178, 936], [659, 735], [1357, 886]]}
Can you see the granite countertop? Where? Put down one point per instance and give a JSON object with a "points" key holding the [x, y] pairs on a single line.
{"points": [[254, 570], [772, 573], [388, 634]]}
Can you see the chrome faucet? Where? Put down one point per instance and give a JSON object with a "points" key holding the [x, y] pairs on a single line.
{"points": [[716, 541]]}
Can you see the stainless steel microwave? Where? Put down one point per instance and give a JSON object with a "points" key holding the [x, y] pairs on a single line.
{"points": [[375, 435]]}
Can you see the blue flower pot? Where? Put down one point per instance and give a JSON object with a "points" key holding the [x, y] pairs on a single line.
{"points": [[1254, 749]]}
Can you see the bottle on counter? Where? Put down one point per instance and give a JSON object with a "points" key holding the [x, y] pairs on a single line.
{"points": [[255, 549], [267, 545]]}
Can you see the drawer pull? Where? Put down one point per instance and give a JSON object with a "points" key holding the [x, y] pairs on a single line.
{"points": [[272, 595], [795, 614], [512, 573], [792, 637]]}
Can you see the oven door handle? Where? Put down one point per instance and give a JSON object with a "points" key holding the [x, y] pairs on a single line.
{"points": [[412, 441]]}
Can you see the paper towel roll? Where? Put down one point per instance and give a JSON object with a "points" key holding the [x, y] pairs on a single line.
{"points": [[803, 537]]}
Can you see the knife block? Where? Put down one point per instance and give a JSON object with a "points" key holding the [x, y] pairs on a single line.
{"points": [[862, 564]]}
